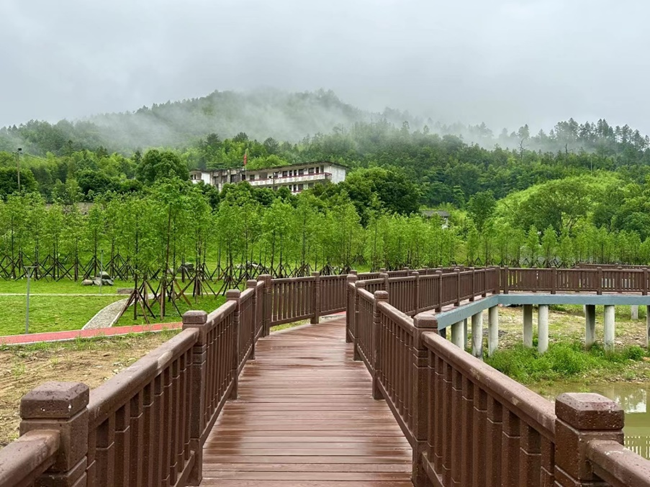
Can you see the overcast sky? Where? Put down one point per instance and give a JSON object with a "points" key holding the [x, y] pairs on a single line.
{"points": [[502, 62]]}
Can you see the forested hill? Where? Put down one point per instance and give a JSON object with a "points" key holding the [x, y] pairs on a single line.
{"points": [[291, 117], [260, 114]]}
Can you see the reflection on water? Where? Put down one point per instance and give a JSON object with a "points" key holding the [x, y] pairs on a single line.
{"points": [[633, 398]]}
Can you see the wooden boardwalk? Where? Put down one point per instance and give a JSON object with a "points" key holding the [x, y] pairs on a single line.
{"points": [[305, 417]]}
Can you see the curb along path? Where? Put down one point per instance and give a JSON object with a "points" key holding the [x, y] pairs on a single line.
{"points": [[56, 336]]}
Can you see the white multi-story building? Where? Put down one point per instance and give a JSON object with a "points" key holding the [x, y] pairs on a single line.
{"points": [[296, 177]]}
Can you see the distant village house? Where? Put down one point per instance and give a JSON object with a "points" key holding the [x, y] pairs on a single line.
{"points": [[297, 177]]}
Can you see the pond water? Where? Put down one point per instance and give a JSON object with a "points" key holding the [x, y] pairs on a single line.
{"points": [[633, 398]]}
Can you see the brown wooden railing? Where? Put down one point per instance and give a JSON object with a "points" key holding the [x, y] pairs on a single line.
{"points": [[468, 424], [146, 425]]}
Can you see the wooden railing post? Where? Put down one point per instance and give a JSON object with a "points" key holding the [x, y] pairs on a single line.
{"points": [[385, 277], [421, 381], [316, 297], [496, 289], [554, 285], [355, 349], [252, 284], [506, 279], [582, 418], [473, 292], [350, 314], [266, 304], [457, 301], [60, 406], [416, 297], [599, 285], [235, 295], [380, 296], [440, 295], [197, 320], [644, 285]]}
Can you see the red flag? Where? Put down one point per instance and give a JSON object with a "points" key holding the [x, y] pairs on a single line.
{"points": [[245, 157]]}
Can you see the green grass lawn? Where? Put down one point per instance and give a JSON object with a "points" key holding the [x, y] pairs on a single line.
{"points": [[64, 286], [49, 313], [203, 303]]}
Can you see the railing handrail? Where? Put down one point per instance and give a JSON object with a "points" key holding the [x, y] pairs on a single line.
{"points": [[124, 385], [539, 412], [22, 461], [617, 465]]}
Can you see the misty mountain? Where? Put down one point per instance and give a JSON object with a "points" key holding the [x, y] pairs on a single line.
{"points": [[290, 117], [260, 114]]}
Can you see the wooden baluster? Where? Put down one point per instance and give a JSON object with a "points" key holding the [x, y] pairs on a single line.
{"points": [[493, 443], [530, 457], [122, 445], [467, 432], [148, 434], [137, 440], [448, 430], [479, 436], [510, 449]]}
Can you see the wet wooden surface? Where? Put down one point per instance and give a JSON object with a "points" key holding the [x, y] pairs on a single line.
{"points": [[305, 417]]}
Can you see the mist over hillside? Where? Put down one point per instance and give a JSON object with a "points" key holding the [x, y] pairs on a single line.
{"points": [[260, 114], [289, 117]]}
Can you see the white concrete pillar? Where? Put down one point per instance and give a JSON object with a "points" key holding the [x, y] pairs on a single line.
{"points": [[477, 335], [542, 331], [465, 335], [590, 325], [457, 337], [634, 312], [528, 325], [610, 328], [493, 330]]}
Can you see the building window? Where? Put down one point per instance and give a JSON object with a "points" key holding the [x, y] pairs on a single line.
{"points": [[317, 170], [311, 170], [263, 175], [284, 174], [301, 172], [243, 177], [251, 177]]}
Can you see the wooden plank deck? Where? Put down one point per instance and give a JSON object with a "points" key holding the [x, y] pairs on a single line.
{"points": [[305, 417]]}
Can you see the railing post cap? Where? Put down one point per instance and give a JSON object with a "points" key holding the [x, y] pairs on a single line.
{"points": [[54, 400], [352, 278], [251, 283], [195, 317], [425, 321], [353, 272], [233, 294], [589, 411], [382, 269], [415, 273], [381, 295], [315, 274]]}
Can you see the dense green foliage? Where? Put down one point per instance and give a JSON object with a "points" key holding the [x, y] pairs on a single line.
{"points": [[578, 193], [562, 361]]}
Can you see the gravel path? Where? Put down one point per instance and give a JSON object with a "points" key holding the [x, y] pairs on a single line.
{"points": [[107, 316]]}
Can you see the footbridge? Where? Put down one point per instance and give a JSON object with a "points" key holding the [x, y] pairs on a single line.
{"points": [[369, 393]]}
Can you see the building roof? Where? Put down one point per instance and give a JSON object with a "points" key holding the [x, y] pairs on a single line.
{"points": [[274, 168], [430, 213]]}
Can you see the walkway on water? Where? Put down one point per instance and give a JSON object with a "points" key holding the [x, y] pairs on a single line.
{"points": [[305, 417]]}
